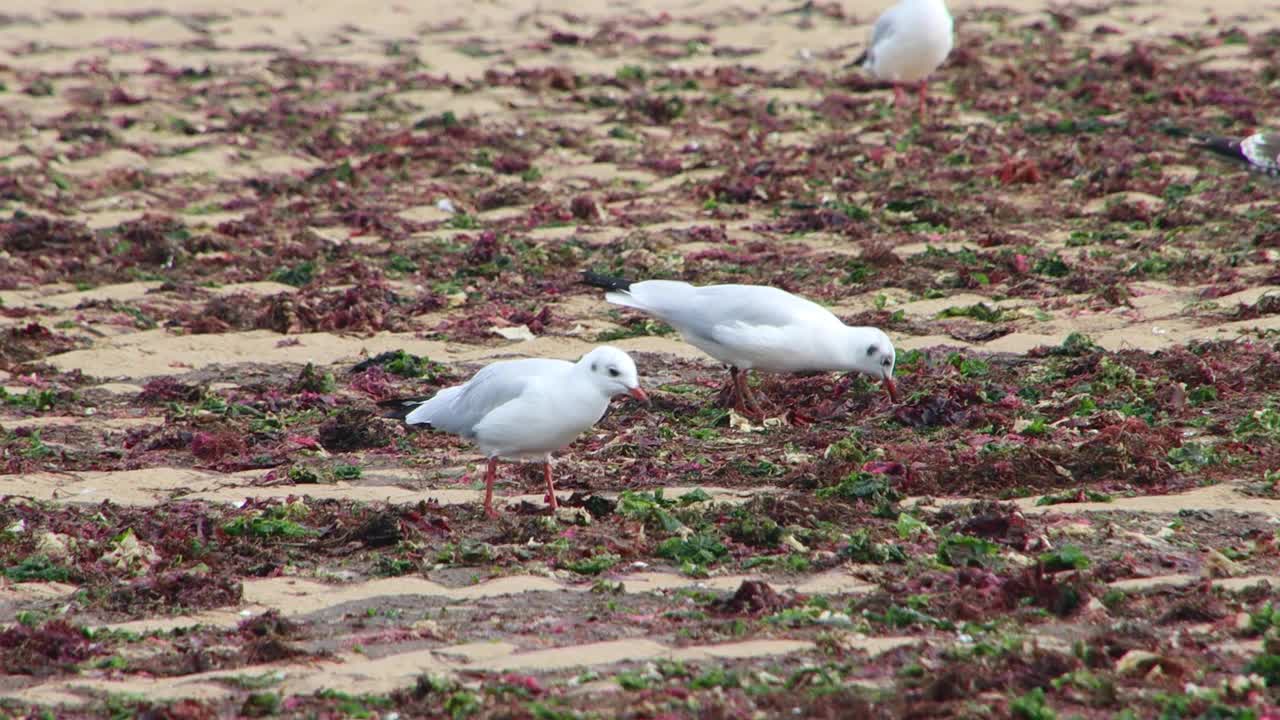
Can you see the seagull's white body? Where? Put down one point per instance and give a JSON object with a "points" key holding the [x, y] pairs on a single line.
{"points": [[528, 409], [517, 409], [754, 327], [909, 41]]}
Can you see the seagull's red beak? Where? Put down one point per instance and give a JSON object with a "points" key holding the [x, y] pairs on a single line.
{"points": [[892, 388], [638, 393]]}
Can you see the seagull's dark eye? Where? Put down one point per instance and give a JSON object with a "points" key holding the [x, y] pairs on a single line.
{"points": [[595, 367], [613, 372], [871, 351]]}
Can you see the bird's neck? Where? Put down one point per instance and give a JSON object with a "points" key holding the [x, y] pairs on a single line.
{"points": [[587, 384], [839, 341]]}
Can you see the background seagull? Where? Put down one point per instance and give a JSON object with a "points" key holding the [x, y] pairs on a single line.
{"points": [[908, 42], [757, 327], [1260, 152], [527, 409]]}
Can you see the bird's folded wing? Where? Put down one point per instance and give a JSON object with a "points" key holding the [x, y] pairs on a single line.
{"points": [[756, 345], [884, 28], [722, 308], [495, 385]]}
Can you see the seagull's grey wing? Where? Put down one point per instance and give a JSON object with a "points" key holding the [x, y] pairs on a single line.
{"points": [[720, 306], [460, 408], [883, 29]]}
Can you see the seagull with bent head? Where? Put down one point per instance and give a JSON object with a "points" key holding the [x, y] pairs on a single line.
{"points": [[757, 327], [527, 409], [1260, 152]]}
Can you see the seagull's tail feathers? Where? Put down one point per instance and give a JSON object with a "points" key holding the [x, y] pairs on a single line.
{"points": [[400, 408], [1226, 147], [623, 298], [860, 61], [606, 282], [419, 410]]}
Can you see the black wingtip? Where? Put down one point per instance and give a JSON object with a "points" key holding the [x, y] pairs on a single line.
{"points": [[860, 60], [399, 408], [607, 282], [1226, 147]]}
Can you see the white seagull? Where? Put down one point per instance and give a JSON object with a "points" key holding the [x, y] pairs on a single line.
{"points": [[908, 42], [756, 327], [527, 409], [1260, 152]]}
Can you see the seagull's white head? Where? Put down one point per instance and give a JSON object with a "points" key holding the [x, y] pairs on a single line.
{"points": [[873, 355], [613, 372]]}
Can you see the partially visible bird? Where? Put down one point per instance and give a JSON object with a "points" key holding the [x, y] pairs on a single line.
{"points": [[1259, 152], [527, 409], [757, 327], [908, 42]]}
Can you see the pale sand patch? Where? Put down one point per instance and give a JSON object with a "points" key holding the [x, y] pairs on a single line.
{"points": [[114, 159], [262, 287], [29, 592], [156, 352], [151, 486], [1214, 497], [300, 596], [741, 650], [229, 492], [1126, 197], [563, 658], [143, 487], [476, 651], [209, 618], [297, 596], [1182, 580], [106, 219], [80, 691], [1022, 342], [424, 213], [90, 31], [123, 292], [924, 342], [354, 673], [602, 172], [831, 582], [92, 422], [437, 102], [357, 674], [42, 108]]}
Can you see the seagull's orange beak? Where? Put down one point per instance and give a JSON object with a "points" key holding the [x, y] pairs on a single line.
{"points": [[638, 393], [891, 387]]}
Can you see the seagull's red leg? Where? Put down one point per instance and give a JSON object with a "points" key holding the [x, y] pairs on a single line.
{"points": [[924, 91], [551, 487], [750, 397], [744, 400], [899, 96], [489, 476], [737, 395], [736, 392]]}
